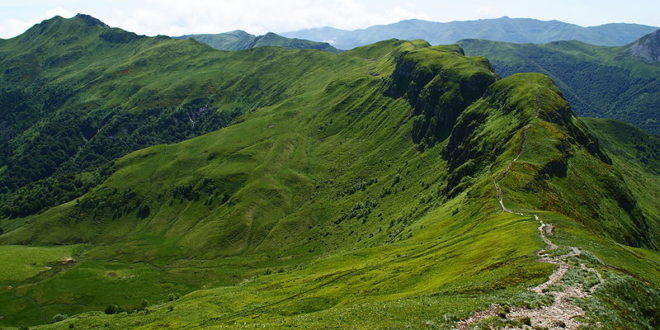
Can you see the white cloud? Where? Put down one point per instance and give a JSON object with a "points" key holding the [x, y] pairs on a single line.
{"points": [[487, 12], [175, 17], [13, 26], [205, 16]]}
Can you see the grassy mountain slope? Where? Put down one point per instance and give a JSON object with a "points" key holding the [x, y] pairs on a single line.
{"points": [[239, 40], [461, 254], [320, 208], [520, 30], [597, 81], [76, 94], [636, 154]]}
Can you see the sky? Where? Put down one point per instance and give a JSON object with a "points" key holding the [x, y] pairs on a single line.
{"points": [[178, 17]]}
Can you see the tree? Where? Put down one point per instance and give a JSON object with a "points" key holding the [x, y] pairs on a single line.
{"points": [[143, 212], [58, 318], [112, 309]]}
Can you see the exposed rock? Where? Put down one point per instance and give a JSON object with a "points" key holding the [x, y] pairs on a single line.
{"points": [[68, 261], [647, 48]]}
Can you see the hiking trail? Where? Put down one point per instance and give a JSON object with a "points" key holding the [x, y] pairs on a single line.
{"points": [[562, 313]]}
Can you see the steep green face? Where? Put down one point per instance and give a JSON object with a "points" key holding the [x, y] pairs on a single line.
{"points": [[608, 82], [152, 182]]}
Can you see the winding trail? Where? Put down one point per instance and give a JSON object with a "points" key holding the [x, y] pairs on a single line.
{"points": [[563, 312]]}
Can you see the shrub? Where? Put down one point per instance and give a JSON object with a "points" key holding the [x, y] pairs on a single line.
{"points": [[385, 192], [59, 317], [143, 212], [396, 179], [526, 321], [172, 297], [112, 309]]}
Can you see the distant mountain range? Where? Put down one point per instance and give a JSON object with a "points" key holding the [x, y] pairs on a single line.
{"points": [[239, 40], [519, 30], [612, 82]]}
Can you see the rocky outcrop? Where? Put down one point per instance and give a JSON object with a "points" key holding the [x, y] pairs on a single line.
{"points": [[439, 83], [647, 48]]}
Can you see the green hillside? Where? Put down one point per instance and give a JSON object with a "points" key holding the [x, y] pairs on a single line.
{"points": [[70, 107], [609, 82], [239, 40], [393, 185]]}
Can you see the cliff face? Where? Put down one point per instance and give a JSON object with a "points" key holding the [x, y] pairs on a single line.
{"points": [[439, 82]]}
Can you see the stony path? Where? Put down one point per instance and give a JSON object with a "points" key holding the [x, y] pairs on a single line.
{"points": [[562, 313]]}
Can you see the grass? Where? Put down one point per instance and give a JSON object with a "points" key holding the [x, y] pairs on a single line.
{"points": [[598, 81], [21, 263], [315, 208]]}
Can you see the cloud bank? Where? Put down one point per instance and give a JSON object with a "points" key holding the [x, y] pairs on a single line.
{"points": [[176, 17]]}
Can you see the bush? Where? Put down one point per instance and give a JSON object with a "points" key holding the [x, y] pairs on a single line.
{"points": [[385, 192], [143, 212], [59, 318], [172, 297], [396, 179], [112, 309], [526, 321]]}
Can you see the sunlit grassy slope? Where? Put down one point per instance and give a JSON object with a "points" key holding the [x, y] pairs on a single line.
{"points": [[76, 94], [318, 209]]}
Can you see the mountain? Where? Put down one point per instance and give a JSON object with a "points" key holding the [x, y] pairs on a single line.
{"points": [[239, 40], [395, 185], [646, 48], [76, 94], [519, 30], [612, 82]]}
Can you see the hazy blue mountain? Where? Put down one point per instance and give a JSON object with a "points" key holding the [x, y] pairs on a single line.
{"points": [[520, 30], [239, 40], [611, 82]]}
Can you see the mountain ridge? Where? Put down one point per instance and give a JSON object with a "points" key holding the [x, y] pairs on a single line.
{"points": [[518, 30], [647, 47], [240, 40], [599, 81]]}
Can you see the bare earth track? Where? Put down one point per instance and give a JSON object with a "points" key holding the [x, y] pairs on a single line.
{"points": [[563, 312]]}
